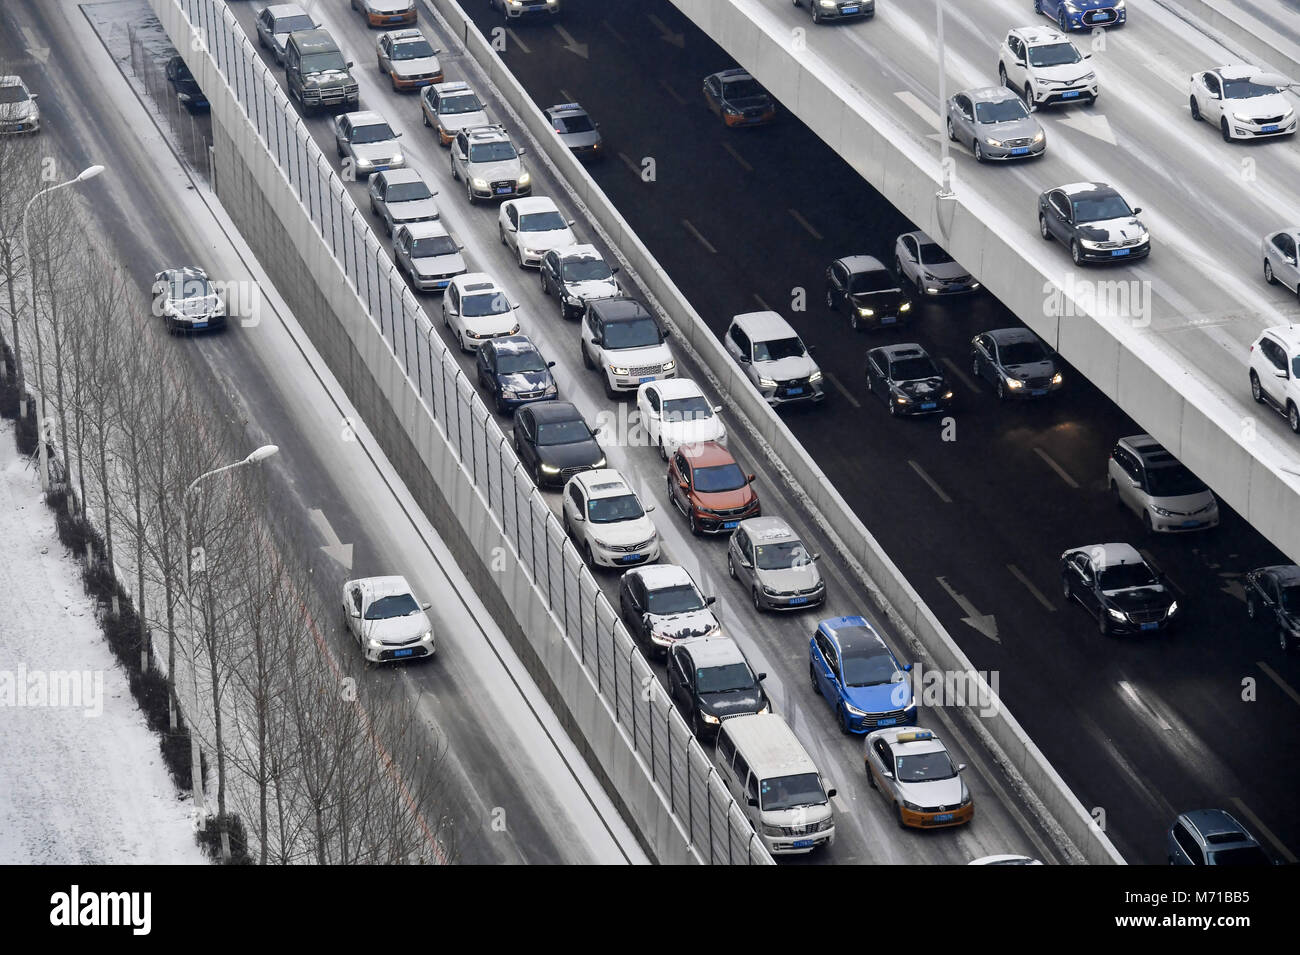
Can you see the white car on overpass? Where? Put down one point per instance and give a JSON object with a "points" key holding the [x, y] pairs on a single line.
{"points": [[675, 412], [1275, 371], [607, 521], [1241, 102], [386, 619], [476, 308], [1046, 67], [1281, 253], [532, 227]]}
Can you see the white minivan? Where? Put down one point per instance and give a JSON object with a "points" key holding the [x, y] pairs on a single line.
{"points": [[773, 779]]}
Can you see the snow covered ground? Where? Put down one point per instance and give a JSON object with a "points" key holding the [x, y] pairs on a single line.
{"points": [[82, 781]]}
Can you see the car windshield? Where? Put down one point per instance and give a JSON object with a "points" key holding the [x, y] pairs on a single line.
{"points": [[695, 408], [190, 286], [1054, 54], [638, 333], [868, 665], [394, 605], [722, 477], [781, 556], [1004, 111], [12, 94], [324, 62], [611, 510], [297, 22], [563, 432], [931, 254], [1241, 855], [1124, 576], [725, 679], [585, 270], [412, 50], [874, 280], [519, 362], [542, 222], [372, 133], [407, 191], [485, 303], [742, 89], [433, 245], [681, 598], [924, 767], [1022, 353], [463, 103], [1101, 208], [913, 369], [777, 349], [1245, 89], [791, 792], [1291, 598], [491, 152], [1174, 481], [573, 124]]}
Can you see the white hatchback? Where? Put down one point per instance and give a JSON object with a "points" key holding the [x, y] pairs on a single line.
{"points": [[532, 227], [675, 412], [607, 521], [476, 308]]}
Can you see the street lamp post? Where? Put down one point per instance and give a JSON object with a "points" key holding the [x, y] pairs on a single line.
{"points": [[90, 172], [196, 762], [945, 165]]}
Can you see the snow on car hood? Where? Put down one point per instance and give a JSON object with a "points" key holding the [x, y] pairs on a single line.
{"points": [[554, 239], [416, 67], [694, 431], [455, 122], [680, 626], [396, 630], [378, 153], [624, 533], [525, 380], [933, 793], [593, 289], [1032, 369], [16, 112], [413, 210], [802, 577], [785, 369], [1122, 229], [922, 387], [497, 324], [633, 357], [496, 171], [1259, 107], [449, 264]]}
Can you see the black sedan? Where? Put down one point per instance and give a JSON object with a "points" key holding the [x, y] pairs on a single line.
{"points": [[514, 373], [1094, 222], [868, 291], [709, 678], [907, 380], [554, 443], [1273, 598], [187, 88], [1115, 584], [1015, 363]]}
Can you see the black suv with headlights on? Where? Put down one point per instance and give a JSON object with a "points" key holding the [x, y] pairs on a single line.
{"points": [[1115, 584], [868, 291]]}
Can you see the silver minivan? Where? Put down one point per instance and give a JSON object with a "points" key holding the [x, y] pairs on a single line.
{"points": [[1149, 480], [773, 779]]}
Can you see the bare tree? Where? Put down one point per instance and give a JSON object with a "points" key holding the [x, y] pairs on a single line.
{"points": [[19, 181]]}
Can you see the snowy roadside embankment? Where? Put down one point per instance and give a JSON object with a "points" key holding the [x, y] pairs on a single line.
{"points": [[82, 780]]}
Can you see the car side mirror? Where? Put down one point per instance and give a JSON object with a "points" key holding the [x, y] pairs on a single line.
{"points": [[437, 50], [349, 64], [521, 150], [613, 270], [749, 478], [33, 95], [1019, 61], [510, 226], [460, 247], [426, 606], [650, 507], [1087, 56], [810, 348], [579, 518], [683, 483], [753, 801], [961, 767], [594, 341], [356, 613], [907, 668], [816, 556], [1279, 373], [1289, 259], [451, 310], [570, 221], [831, 793], [710, 601], [397, 135], [1137, 209], [761, 677], [549, 364], [1134, 482], [717, 409], [743, 359], [887, 774]]}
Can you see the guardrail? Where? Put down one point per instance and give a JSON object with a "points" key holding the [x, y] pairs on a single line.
{"points": [[448, 448], [1032, 776]]}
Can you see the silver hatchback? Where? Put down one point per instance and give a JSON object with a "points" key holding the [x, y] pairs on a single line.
{"points": [[994, 123], [772, 563]]}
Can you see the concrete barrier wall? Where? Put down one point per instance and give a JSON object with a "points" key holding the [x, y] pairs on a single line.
{"points": [[441, 474], [1238, 28], [1036, 782], [1194, 420]]}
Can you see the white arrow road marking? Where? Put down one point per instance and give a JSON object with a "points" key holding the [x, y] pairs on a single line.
{"points": [[1093, 124], [334, 548], [668, 36], [37, 52], [570, 44], [927, 113], [1258, 826], [982, 622]]}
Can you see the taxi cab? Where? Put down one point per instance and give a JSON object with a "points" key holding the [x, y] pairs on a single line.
{"points": [[913, 770]]}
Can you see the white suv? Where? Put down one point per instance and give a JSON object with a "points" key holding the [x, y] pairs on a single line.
{"points": [[774, 358], [626, 343], [1275, 371], [489, 163], [608, 523], [476, 308], [1045, 67]]}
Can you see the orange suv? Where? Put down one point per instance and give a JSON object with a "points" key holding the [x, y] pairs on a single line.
{"points": [[707, 485]]}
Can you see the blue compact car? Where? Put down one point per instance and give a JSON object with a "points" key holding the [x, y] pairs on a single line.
{"points": [[513, 372], [852, 668], [1083, 14]]}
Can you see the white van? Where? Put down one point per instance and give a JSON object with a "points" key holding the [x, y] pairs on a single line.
{"points": [[775, 783]]}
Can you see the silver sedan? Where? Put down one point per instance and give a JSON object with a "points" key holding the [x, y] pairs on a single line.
{"points": [[994, 123], [1281, 252]]}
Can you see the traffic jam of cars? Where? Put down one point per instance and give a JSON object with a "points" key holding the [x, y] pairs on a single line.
{"points": [[609, 516]]}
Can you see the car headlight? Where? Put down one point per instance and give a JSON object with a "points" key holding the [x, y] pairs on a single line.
{"points": [[905, 307], [669, 365], [816, 376], [374, 644], [911, 705], [766, 382], [1173, 609], [865, 312], [731, 111], [711, 720], [1057, 379], [1014, 383], [992, 142], [397, 157], [947, 395], [479, 183], [1089, 243], [1117, 614], [903, 399], [912, 806], [826, 4], [617, 370], [1038, 137], [550, 469], [1163, 512], [765, 709], [1090, 77], [772, 830], [853, 710], [601, 463], [427, 636], [552, 389], [362, 162], [524, 179]]}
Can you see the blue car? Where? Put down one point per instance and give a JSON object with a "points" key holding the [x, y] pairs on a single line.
{"points": [[513, 372], [1083, 14], [852, 668]]}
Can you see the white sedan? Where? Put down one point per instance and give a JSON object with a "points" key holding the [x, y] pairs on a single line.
{"points": [[476, 308], [532, 227], [386, 620], [1243, 102], [675, 412]]}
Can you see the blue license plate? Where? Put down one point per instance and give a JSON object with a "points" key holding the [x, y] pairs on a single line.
{"points": [[441, 284], [943, 817], [1150, 626], [886, 722], [503, 190], [628, 558], [849, 11], [403, 653], [802, 843], [798, 600], [1118, 252], [1037, 392], [200, 325], [888, 319], [794, 391], [646, 378], [1020, 150], [927, 405], [1191, 523], [1071, 94], [729, 525], [1271, 128]]}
